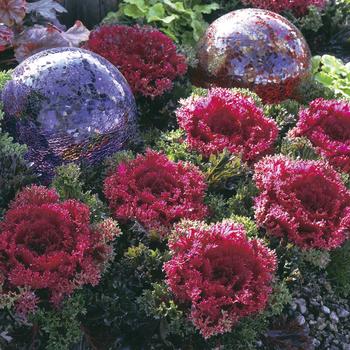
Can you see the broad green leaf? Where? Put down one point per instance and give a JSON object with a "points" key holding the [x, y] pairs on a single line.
{"points": [[170, 34], [206, 8], [139, 3], [177, 6], [316, 60], [155, 13], [331, 62], [133, 11], [169, 19], [324, 79], [198, 28]]}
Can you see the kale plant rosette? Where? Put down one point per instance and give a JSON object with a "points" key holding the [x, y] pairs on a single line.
{"points": [[49, 249]]}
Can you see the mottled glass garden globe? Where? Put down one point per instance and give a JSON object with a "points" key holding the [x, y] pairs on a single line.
{"points": [[68, 104], [255, 49]]}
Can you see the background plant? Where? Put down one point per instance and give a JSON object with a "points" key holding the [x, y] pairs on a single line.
{"points": [[181, 21], [333, 74]]}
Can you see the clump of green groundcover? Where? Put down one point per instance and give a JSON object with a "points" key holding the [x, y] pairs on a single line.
{"points": [[298, 148], [339, 269], [61, 328], [69, 185], [318, 258]]}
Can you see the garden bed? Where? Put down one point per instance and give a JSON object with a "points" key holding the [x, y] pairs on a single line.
{"points": [[153, 196]]}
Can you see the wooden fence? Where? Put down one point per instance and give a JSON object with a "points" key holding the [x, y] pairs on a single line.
{"points": [[90, 12]]}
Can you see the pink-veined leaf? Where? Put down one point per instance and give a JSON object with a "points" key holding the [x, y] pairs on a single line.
{"points": [[12, 11], [77, 34], [6, 37], [36, 39], [39, 38], [46, 9]]}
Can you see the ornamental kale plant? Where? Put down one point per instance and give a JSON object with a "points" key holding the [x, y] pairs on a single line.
{"points": [[219, 274], [145, 56], [227, 208], [156, 192], [304, 202], [48, 249], [327, 125], [225, 119]]}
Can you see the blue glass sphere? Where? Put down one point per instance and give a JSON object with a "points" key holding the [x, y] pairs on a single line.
{"points": [[68, 105]]}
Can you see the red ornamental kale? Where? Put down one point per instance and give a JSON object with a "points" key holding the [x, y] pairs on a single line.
{"points": [[298, 7], [156, 191], [227, 119], [145, 56], [304, 201], [327, 125], [220, 274], [48, 245]]}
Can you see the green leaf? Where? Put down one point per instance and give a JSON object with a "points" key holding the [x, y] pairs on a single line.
{"points": [[324, 78], [170, 34], [155, 13], [198, 28], [177, 6], [133, 11], [139, 3], [316, 61], [332, 62], [206, 8], [169, 19]]}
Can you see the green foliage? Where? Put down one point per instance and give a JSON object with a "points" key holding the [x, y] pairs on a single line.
{"points": [[249, 225], [113, 306], [217, 205], [324, 29], [298, 148], [285, 114], [61, 326], [279, 298], [311, 22], [173, 144], [346, 179], [317, 258], [339, 269], [243, 336], [332, 73], [311, 89], [222, 167], [242, 201], [92, 177], [69, 186], [182, 21], [4, 77], [158, 303]]}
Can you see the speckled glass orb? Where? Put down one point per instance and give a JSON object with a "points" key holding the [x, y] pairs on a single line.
{"points": [[255, 49], [68, 104]]}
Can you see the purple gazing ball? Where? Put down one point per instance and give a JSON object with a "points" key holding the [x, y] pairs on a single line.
{"points": [[68, 105]]}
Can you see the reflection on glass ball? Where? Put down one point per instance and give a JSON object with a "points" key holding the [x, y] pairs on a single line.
{"points": [[255, 49], [68, 104]]}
